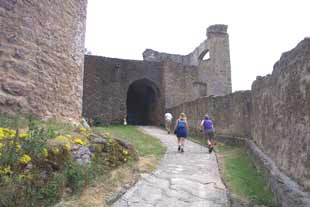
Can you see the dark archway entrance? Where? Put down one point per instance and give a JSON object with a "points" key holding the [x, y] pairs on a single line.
{"points": [[142, 103]]}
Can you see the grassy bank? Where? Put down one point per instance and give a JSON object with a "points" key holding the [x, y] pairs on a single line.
{"points": [[242, 177], [149, 149], [143, 143], [244, 181], [38, 166]]}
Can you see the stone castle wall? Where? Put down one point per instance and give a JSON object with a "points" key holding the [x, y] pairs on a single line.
{"points": [[281, 111], [231, 113], [106, 83], [180, 83], [41, 57], [275, 113], [178, 78]]}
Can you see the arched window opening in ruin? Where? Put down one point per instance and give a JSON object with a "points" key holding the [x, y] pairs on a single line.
{"points": [[205, 55], [142, 103]]}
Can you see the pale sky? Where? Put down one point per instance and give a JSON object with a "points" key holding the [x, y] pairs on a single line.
{"points": [[259, 31]]}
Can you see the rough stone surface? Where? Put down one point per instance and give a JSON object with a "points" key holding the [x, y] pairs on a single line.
{"points": [[281, 113], [81, 154], [231, 113], [177, 78], [100, 140], [41, 57], [214, 72], [188, 179], [181, 84], [106, 84], [275, 114], [287, 192], [84, 123]]}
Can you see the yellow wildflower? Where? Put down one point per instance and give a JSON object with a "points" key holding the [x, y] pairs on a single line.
{"points": [[7, 170], [45, 152], [63, 138], [23, 135], [1, 133], [125, 152], [79, 141], [67, 147], [55, 150], [82, 129], [7, 133], [12, 133], [25, 159], [18, 146]]}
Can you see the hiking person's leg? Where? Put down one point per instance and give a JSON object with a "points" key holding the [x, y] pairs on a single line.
{"points": [[182, 143], [206, 139], [167, 126], [211, 141]]}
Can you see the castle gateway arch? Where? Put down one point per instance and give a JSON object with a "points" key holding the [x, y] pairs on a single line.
{"points": [[118, 88], [143, 102], [142, 90]]}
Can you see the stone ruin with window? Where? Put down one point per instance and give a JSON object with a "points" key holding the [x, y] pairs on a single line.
{"points": [[142, 90]]}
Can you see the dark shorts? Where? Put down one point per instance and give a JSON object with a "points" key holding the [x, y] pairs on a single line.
{"points": [[181, 133], [209, 134]]}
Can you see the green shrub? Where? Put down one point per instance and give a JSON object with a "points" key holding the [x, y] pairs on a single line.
{"points": [[75, 176], [32, 174]]}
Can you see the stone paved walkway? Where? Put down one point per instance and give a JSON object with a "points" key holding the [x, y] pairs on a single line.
{"points": [[188, 179]]}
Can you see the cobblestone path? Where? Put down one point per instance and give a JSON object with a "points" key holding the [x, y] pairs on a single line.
{"points": [[189, 179]]}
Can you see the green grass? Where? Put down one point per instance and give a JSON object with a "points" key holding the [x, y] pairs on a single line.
{"points": [[242, 177], [240, 174], [23, 122], [145, 145]]}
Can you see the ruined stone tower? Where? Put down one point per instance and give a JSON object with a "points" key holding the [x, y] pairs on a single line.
{"points": [[216, 71], [41, 57], [210, 61]]}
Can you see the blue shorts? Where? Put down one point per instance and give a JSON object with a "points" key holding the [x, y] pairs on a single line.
{"points": [[181, 133]]}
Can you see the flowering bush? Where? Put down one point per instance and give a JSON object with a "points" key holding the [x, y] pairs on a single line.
{"points": [[7, 133], [25, 159], [36, 165], [67, 147], [55, 150], [79, 141], [45, 152], [5, 170], [85, 132]]}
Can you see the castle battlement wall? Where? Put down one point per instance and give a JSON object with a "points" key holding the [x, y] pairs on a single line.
{"points": [[275, 114]]}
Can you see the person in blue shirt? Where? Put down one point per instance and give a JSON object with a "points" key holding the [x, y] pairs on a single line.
{"points": [[181, 131], [208, 131]]}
